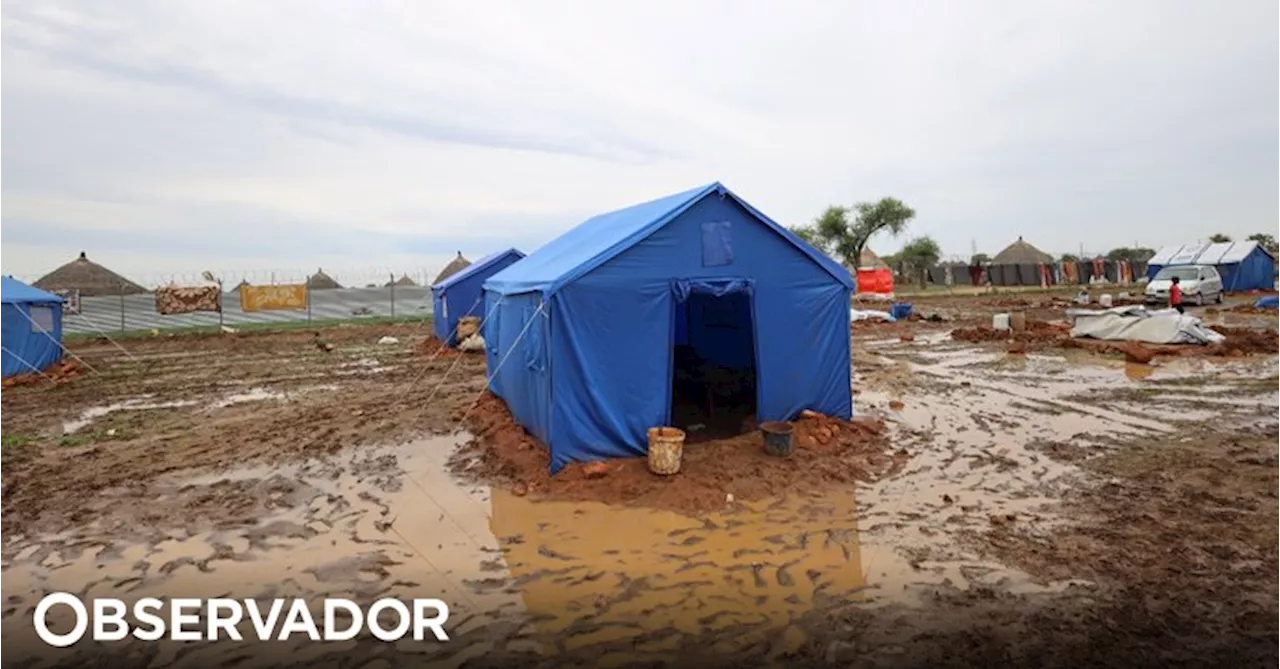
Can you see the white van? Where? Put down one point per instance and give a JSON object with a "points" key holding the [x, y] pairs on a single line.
{"points": [[1200, 283]]}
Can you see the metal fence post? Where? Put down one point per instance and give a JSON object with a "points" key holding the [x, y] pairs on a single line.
{"points": [[122, 326], [393, 294], [308, 294]]}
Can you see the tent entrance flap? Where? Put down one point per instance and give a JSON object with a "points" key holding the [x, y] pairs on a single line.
{"points": [[713, 352]]}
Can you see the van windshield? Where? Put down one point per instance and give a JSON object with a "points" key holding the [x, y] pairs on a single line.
{"points": [[1183, 273]]}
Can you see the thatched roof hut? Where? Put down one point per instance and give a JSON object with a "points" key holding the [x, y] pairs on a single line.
{"points": [[322, 281], [1021, 253], [869, 259], [404, 280], [88, 277], [456, 265]]}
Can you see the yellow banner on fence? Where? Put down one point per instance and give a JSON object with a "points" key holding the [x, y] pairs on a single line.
{"points": [[270, 298]]}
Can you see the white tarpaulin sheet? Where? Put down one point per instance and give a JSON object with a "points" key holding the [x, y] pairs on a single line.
{"points": [[869, 314], [1135, 323]]}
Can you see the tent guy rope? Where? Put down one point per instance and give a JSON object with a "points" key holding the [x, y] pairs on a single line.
{"points": [[489, 379], [426, 367], [28, 365], [55, 341]]}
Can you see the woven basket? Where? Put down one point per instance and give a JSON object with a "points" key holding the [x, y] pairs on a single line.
{"points": [[666, 445]]}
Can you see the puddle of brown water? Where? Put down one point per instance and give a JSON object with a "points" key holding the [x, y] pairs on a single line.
{"points": [[334, 543]]}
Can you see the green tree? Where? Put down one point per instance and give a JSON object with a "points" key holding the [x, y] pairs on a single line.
{"points": [[980, 259], [1219, 238], [918, 255], [1267, 241], [843, 239], [1136, 254], [1069, 257]]}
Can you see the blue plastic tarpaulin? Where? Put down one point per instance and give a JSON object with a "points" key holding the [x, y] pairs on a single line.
{"points": [[1267, 302], [461, 293], [581, 333], [32, 327]]}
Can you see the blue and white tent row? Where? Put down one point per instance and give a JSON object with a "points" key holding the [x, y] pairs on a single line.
{"points": [[32, 327], [582, 337], [460, 294], [1243, 265]]}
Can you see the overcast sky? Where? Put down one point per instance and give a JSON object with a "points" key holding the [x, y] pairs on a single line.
{"points": [[174, 136]]}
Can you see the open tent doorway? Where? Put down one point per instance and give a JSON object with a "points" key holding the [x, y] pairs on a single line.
{"points": [[714, 382]]}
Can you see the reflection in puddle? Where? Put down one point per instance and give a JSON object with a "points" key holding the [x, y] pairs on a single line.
{"points": [[250, 395], [599, 574], [93, 413]]}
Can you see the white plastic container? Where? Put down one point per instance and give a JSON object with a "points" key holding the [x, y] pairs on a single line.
{"points": [[1105, 300], [1000, 321]]}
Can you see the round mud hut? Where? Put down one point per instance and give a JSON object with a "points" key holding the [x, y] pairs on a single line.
{"points": [[1018, 265], [402, 282], [89, 278], [456, 265], [322, 281], [1021, 253]]}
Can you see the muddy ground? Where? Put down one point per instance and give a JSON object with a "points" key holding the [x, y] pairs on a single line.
{"points": [[1056, 507]]}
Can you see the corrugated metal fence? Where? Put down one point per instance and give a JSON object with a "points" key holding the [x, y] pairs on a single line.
{"points": [[138, 312]]}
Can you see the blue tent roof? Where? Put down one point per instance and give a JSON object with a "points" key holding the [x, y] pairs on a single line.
{"points": [[14, 291], [476, 267], [603, 237]]}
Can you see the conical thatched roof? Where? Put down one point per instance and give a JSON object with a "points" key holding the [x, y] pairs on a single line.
{"points": [[868, 258], [238, 286], [88, 277], [404, 280], [322, 281], [456, 265], [1021, 253]]}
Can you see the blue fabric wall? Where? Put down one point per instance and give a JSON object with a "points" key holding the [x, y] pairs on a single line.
{"points": [[25, 345], [597, 373], [1256, 272], [464, 294]]}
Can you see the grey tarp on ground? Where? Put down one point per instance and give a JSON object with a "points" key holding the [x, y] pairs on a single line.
{"points": [[1135, 323]]}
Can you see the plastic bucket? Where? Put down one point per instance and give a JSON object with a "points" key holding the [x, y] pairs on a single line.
{"points": [[778, 438], [1000, 322], [666, 445], [900, 311]]}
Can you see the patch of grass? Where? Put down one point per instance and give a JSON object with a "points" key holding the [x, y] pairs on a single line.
{"points": [[14, 440]]}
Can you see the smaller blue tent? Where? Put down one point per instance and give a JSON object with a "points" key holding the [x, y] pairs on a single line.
{"points": [[460, 294], [32, 327], [1243, 265]]}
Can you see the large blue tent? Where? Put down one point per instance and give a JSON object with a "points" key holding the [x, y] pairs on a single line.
{"points": [[581, 336], [32, 327], [1243, 265], [461, 293]]}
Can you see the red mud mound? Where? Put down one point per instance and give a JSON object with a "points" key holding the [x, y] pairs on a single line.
{"points": [[1242, 341], [826, 450], [58, 373], [1037, 332], [435, 347]]}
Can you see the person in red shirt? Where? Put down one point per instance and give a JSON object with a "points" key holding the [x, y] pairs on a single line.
{"points": [[1175, 295]]}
